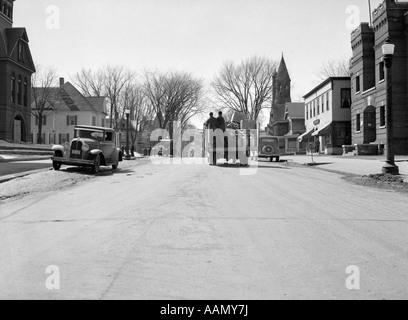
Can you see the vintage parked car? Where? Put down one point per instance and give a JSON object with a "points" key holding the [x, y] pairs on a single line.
{"points": [[91, 147]]}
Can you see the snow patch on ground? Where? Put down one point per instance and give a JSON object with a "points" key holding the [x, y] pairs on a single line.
{"points": [[49, 181], [40, 182]]}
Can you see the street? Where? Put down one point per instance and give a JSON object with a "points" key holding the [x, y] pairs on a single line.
{"points": [[199, 232]]}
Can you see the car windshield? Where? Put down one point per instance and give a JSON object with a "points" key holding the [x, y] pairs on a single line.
{"points": [[89, 134]]}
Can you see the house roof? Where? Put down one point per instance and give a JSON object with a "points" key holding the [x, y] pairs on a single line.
{"points": [[295, 110], [328, 80], [98, 103], [10, 38], [68, 98]]}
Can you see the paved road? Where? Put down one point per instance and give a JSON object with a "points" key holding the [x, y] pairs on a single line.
{"points": [[7, 168], [200, 232]]}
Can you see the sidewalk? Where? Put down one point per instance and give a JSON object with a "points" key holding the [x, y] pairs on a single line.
{"points": [[21, 158], [24, 146], [357, 165]]}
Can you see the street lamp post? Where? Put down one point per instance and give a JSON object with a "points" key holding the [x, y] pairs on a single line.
{"points": [[389, 167], [127, 111]]}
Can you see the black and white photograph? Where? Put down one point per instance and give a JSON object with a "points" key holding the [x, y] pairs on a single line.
{"points": [[203, 154]]}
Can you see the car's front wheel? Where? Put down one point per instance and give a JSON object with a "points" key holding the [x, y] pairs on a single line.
{"points": [[115, 165], [96, 165], [56, 165]]}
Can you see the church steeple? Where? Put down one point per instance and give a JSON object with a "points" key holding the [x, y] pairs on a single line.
{"points": [[281, 92]]}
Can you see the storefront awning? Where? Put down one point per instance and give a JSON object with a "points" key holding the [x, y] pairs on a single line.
{"points": [[323, 131], [305, 136]]}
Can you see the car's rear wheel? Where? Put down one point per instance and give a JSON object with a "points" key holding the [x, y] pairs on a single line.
{"points": [[96, 165], [56, 165]]}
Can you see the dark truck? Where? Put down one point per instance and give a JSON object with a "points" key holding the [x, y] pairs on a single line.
{"points": [[91, 147]]}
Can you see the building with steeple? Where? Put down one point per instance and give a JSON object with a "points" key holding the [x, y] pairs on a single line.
{"points": [[16, 68], [281, 95], [286, 119]]}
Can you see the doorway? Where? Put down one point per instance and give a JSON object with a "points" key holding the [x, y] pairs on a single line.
{"points": [[19, 130]]}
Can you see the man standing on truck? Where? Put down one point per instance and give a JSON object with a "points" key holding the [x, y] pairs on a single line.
{"points": [[211, 124], [221, 121]]}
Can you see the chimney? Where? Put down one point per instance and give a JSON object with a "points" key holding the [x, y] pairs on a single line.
{"points": [[62, 82]]}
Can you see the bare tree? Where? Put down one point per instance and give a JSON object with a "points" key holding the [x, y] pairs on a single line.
{"points": [[334, 68], [115, 81], [174, 97], [140, 113], [247, 87], [90, 83], [110, 82], [44, 96]]}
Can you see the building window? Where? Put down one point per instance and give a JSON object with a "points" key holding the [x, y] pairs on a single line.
{"points": [[358, 124], [25, 92], [103, 122], [19, 91], [382, 116], [357, 84], [93, 121], [323, 100], [20, 52], [381, 68], [345, 98], [72, 120], [318, 106], [13, 88], [307, 112], [314, 108], [64, 138], [327, 102]]}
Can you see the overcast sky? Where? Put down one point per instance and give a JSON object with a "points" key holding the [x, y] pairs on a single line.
{"points": [[197, 36]]}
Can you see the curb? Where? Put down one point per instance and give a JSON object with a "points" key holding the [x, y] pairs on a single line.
{"points": [[317, 166], [23, 159]]}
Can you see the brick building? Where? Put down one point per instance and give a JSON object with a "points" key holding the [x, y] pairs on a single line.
{"points": [[16, 68], [368, 82]]}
